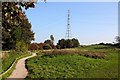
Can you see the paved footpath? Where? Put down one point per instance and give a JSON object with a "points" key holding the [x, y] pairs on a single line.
{"points": [[20, 70]]}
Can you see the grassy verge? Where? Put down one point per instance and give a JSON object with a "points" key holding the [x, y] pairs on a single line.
{"points": [[14, 64], [74, 65], [8, 59]]}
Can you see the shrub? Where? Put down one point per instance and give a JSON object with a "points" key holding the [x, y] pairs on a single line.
{"points": [[58, 46], [34, 46], [47, 46], [40, 46]]}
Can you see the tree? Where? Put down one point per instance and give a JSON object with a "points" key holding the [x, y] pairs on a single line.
{"points": [[58, 46], [68, 43], [48, 42], [52, 38], [62, 43], [15, 25], [47, 46], [75, 42], [41, 46]]}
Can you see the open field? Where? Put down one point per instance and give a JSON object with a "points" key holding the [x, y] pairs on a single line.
{"points": [[95, 61]]}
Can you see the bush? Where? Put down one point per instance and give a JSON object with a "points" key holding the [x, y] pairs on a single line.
{"points": [[40, 46], [47, 46], [34, 46], [58, 46]]}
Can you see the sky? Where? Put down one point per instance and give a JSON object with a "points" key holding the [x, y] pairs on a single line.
{"points": [[91, 22]]}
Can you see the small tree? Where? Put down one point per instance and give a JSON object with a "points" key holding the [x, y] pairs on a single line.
{"points": [[40, 46], [58, 46], [47, 46], [52, 38], [34, 46], [48, 42]]}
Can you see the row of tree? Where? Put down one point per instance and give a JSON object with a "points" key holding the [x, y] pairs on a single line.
{"points": [[49, 44], [68, 43]]}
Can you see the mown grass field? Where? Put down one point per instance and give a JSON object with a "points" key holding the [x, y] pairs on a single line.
{"points": [[82, 64]]}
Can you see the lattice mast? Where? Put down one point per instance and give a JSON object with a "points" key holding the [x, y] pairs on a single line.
{"points": [[68, 32]]}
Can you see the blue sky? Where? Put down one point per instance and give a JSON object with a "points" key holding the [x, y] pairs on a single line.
{"points": [[91, 22]]}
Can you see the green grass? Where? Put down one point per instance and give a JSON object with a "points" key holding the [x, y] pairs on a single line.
{"points": [[15, 62], [8, 59], [74, 65]]}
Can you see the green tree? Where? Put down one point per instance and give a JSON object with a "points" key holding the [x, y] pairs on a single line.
{"points": [[69, 43], [75, 42], [48, 42], [52, 38], [62, 43], [47, 46], [15, 25]]}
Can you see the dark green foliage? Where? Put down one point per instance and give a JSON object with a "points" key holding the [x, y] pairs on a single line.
{"points": [[48, 42], [47, 46], [68, 43], [75, 42], [52, 38], [58, 46], [15, 25], [62, 43]]}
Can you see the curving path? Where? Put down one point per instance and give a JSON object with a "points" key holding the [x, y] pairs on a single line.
{"points": [[20, 70]]}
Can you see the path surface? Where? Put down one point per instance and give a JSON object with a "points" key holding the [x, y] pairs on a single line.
{"points": [[20, 70]]}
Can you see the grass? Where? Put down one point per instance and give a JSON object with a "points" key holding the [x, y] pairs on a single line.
{"points": [[8, 59], [75, 65], [13, 67]]}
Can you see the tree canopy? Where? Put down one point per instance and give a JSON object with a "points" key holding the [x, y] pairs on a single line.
{"points": [[15, 24], [68, 43]]}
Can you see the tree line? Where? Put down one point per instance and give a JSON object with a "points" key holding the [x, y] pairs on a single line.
{"points": [[49, 44]]}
